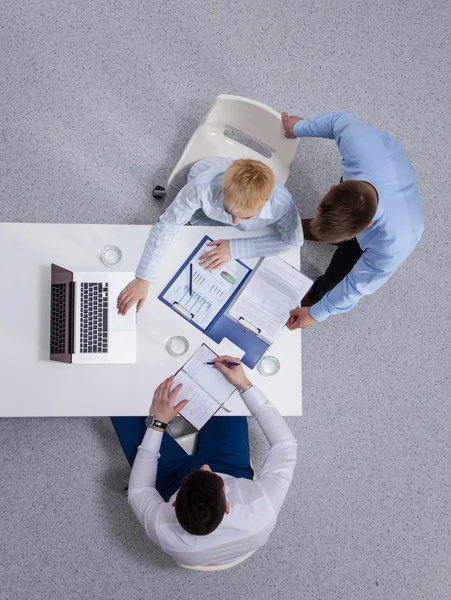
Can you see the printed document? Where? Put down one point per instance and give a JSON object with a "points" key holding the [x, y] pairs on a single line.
{"points": [[210, 289], [263, 305]]}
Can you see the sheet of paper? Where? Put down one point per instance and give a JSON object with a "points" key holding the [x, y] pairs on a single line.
{"points": [[274, 289], [211, 289], [206, 376], [201, 406]]}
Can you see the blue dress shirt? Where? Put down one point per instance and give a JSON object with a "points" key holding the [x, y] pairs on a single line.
{"points": [[375, 157]]}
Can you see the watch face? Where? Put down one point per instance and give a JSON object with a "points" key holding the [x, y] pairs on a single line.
{"points": [[151, 421]]}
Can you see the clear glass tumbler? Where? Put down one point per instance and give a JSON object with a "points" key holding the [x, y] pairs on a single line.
{"points": [[268, 366], [177, 345], [110, 255]]}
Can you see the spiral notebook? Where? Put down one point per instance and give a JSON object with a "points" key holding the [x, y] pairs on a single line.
{"points": [[204, 386]]}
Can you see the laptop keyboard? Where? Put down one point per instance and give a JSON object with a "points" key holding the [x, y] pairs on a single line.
{"points": [[58, 319], [93, 318]]}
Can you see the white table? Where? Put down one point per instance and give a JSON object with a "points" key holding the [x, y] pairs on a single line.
{"points": [[32, 385]]}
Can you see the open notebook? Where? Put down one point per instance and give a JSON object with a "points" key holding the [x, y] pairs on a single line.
{"points": [[204, 386]]}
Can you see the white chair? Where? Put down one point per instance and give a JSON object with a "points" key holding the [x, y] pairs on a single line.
{"points": [[220, 567], [242, 117]]}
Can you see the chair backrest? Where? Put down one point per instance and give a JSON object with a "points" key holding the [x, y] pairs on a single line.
{"points": [[220, 567], [237, 127]]}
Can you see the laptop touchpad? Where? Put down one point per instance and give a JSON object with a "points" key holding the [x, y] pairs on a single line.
{"points": [[123, 322]]}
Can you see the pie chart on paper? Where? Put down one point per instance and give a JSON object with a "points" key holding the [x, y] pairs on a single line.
{"points": [[228, 277]]}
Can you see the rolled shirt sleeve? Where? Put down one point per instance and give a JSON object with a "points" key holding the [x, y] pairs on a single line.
{"points": [[370, 272], [142, 495], [342, 127], [288, 235], [278, 468], [177, 214]]}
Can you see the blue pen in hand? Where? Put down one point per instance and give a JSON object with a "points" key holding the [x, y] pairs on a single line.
{"points": [[226, 363]]}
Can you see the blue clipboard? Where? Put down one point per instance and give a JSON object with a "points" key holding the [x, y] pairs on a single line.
{"points": [[221, 326]]}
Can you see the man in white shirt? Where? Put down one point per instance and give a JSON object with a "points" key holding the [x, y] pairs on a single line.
{"points": [[214, 511], [219, 191]]}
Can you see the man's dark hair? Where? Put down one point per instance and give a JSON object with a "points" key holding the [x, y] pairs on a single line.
{"points": [[344, 212], [201, 503]]}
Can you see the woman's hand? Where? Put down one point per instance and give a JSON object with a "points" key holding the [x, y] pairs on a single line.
{"points": [[218, 257], [135, 292]]}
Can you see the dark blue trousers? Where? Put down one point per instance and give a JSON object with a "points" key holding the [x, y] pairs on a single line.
{"points": [[222, 444]]}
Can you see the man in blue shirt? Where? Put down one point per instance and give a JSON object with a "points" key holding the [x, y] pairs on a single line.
{"points": [[374, 215]]}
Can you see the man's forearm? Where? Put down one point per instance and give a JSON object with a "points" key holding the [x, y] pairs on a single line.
{"points": [[268, 417], [343, 127], [367, 276], [277, 471], [144, 471], [322, 125], [163, 232], [143, 498]]}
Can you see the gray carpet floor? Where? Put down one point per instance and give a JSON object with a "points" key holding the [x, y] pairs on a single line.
{"points": [[98, 99]]}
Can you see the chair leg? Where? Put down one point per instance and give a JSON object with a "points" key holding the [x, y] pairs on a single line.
{"points": [[159, 192]]}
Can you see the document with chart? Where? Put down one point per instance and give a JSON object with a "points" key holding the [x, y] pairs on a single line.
{"points": [[210, 290], [263, 305]]}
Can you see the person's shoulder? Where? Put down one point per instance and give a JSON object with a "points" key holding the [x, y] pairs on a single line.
{"points": [[374, 152], [250, 502], [281, 202], [399, 196], [401, 224], [205, 170], [212, 162], [280, 194]]}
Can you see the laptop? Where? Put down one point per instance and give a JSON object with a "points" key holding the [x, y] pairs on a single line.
{"points": [[84, 325]]}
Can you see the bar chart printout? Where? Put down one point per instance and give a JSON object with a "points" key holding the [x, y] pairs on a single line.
{"points": [[210, 289]]}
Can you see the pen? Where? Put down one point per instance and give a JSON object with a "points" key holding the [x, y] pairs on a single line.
{"points": [[190, 279], [226, 363]]}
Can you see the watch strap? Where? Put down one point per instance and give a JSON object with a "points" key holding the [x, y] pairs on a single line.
{"points": [[152, 421]]}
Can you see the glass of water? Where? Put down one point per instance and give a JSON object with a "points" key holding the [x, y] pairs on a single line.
{"points": [[110, 255], [268, 366], [177, 345]]}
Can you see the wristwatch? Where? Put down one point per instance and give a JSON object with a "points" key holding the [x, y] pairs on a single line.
{"points": [[152, 421]]}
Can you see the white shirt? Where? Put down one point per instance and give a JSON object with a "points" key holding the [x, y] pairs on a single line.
{"points": [[200, 203], [254, 505]]}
